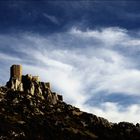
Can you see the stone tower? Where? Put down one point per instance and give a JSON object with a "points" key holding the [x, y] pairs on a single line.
{"points": [[16, 72]]}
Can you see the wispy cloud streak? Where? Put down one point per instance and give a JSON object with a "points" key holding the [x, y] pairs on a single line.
{"points": [[82, 65], [53, 19]]}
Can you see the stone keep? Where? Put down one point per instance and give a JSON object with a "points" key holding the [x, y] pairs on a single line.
{"points": [[15, 81], [16, 72]]}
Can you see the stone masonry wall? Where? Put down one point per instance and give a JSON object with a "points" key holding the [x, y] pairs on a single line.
{"points": [[16, 72]]}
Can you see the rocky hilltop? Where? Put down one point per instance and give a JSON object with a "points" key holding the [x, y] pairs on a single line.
{"points": [[29, 110]]}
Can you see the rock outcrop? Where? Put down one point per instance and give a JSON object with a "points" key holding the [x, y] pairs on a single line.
{"points": [[15, 84], [31, 85], [34, 112], [25, 116]]}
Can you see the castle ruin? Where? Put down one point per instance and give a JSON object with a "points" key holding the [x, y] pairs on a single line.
{"points": [[31, 85]]}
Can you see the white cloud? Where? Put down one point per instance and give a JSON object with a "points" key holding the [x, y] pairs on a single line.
{"points": [[6, 57], [53, 19], [108, 36], [114, 112], [82, 64]]}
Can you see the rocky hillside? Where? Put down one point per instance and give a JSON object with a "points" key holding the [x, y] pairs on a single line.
{"points": [[37, 113]]}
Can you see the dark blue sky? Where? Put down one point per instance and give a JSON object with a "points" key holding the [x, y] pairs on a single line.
{"points": [[44, 16]]}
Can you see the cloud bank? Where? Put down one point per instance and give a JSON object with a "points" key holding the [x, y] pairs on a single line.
{"points": [[84, 66]]}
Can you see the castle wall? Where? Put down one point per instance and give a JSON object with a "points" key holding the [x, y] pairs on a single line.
{"points": [[36, 78], [16, 72]]}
